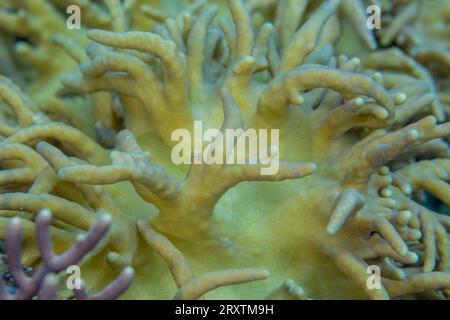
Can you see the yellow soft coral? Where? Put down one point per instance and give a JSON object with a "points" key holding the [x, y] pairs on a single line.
{"points": [[334, 207]]}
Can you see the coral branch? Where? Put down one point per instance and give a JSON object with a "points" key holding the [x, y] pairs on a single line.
{"points": [[199, 286], [305, 39], [284, 89], [63, 209], [114, 290], [44, 282], [356, 13], [349, 202], [175, 260], [173, 61]]}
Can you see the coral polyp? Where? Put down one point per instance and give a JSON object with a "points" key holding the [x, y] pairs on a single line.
{"points": [[87, 127]]}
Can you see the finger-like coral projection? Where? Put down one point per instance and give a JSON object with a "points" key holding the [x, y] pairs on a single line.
{"points": [[43, 283], [40, 38], [362, 139], [421, 29]]}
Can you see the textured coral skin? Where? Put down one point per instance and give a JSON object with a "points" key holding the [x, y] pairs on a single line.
{"points": [[86, 129]]}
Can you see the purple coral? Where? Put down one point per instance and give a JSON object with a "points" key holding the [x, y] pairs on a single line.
{"points": [[43, 282]]}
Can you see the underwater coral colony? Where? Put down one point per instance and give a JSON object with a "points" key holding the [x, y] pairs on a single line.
{"points": [[87, 178]]}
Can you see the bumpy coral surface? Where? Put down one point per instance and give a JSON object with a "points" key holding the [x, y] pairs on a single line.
{"points": [[87, 118]]}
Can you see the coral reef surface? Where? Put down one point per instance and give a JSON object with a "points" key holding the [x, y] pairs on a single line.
{"points": [[87, 123]]}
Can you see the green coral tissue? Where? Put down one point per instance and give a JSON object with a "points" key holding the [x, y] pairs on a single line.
{"points": [[225, 149]]}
